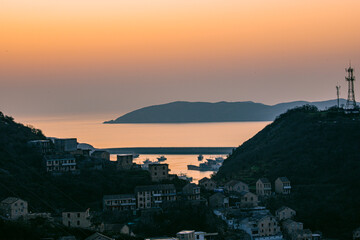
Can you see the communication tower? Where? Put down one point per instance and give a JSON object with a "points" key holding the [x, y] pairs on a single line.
{"points": [[350, 78]]}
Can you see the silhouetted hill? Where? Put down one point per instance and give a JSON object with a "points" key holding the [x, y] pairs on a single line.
{"points": [[319, 152], [183, 112]]}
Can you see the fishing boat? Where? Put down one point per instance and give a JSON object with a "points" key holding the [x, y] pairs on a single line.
{"points": [[183, 176], [162, 158], [147, 162]]}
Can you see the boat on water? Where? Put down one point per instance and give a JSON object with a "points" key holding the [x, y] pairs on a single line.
{"points": [[210, 165], [135, 155], [147, 162], [200, 157], [161, 158], [183, 176]]}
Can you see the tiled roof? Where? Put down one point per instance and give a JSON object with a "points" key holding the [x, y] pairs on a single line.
{"points": [[264, 180], [284, 179], [10, 200]]}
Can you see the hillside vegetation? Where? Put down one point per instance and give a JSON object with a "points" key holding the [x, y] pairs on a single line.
{"points": [[319, 152], [187, 112]]}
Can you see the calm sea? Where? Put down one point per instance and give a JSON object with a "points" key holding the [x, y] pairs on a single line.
{"points": [[89, 129]]}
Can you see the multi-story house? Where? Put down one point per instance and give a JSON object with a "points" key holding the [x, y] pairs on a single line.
{"points": [[13, 208], [42, 146], [263, 187], [125, 161], [77, 219], [248, 199], [191, 191], [304, 234], [154, 195], [236, 186], [268, 226], [282, 185], [65, 144], [57, 163], [207, 183], [159, 172], [218, 200], [101, 154], [120, 202], [284, 213]]}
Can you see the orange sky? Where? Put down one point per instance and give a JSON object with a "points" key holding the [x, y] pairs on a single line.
{"points": [[169, 42]]}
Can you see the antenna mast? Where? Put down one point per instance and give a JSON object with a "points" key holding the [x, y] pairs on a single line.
{"points": [[350, 78], [338, 95]]}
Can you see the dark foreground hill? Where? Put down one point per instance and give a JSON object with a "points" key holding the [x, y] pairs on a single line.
{"points": [[319, 152], [187, 112]]}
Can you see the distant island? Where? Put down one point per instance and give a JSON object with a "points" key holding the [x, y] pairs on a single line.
{"points": [[197, 112]]}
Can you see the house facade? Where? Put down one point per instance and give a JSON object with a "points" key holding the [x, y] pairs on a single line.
{"points": [[284, 213], [268, 226], [14, 208], [100, 154], [191, 191], [57, 163], [282, 185], [154, 195], [218, 200], [159, 172], [124, 161], [120, 202], [263, 187], [65, 144], [77, 219], [207, 183], [248, 199], [236, 186], [42, 146]]}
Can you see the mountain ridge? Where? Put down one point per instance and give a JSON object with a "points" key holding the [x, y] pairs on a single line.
{"points": [[198, 112]]}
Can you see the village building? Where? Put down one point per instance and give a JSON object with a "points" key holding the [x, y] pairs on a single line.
{"points": [[290, 226], [207, 183], [236, 186], [159, 172], [284, 213], [60, 163], [186, 235], [99, 236], [356, 234], [282, 185], [125, 161], [65, 144], [268, 226], [304, 234], [154, 195], [14, 208], [218, 200], [120, 202], [101, 154], [77, 219], [263, 187], [248, 200], [191, 191], [42, 146]]}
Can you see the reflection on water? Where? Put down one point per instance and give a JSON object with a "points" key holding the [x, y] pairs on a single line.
{"points": [[178, 164], [89, 129]]}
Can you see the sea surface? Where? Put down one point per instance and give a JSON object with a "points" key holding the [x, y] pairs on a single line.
{"points": [[91, 130]]}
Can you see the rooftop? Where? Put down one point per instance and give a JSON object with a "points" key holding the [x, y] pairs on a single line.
{"points": [[118, 196], [10, 200]]}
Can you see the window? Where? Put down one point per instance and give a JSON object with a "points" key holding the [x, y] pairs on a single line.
{"points": [[68, 215], [78, 223], [78, 215]]}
